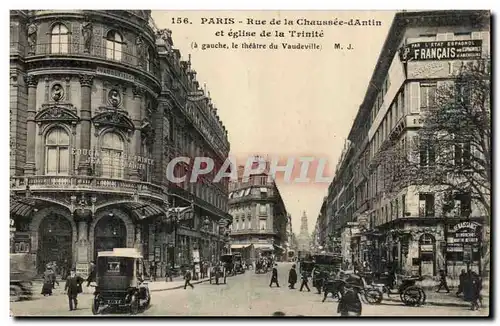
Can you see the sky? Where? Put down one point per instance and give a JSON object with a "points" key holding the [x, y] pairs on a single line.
{"points": [[285, 103]]}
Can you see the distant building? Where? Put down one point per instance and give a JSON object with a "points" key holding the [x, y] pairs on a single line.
{"points": [[260, 218], [304, 238]]}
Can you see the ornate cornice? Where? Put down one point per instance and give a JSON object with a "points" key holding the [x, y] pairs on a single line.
{"points": [[86, 80], [31, 80], [50, 113], [113, 119], [138, 91]]}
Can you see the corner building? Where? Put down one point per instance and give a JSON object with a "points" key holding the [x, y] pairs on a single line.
{"points": [[405, 229], [98, 108], [260, 219]]}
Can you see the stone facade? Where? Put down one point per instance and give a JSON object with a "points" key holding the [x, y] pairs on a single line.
{"points": [[96, 116], [260, 219], [403, 229]]}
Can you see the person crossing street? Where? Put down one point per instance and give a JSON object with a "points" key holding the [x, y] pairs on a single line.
{"points": [[187, 278], [292, 277], [73, 287], [274, 277], [304, 282]]}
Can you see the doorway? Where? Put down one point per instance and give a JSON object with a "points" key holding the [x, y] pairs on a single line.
{"points": [[110, 232], [54, 242], [427, 256]]}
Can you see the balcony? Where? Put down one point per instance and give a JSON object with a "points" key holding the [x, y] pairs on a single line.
{"points": [[41, 183], [252, 231], [78, 51]]}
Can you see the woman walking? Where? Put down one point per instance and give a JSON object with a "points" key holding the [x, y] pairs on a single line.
{"points": [[48, 282]]}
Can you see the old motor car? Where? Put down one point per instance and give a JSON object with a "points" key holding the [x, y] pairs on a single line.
{"points": [[22, 273], [120, 281]]}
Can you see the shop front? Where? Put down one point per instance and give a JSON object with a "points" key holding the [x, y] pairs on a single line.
{"points": [[463, 249]]}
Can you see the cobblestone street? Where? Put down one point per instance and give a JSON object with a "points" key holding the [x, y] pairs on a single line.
{"points": [[243, 295]]}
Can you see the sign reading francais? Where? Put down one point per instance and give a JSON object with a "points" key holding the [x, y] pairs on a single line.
{"points": [[442, 50]]}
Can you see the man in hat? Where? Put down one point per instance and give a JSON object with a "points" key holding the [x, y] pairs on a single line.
{"points": [[73, 287], [274, 276], [350, 302]]}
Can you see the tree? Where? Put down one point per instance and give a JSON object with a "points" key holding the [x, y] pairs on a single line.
{"points": [[451, 152], [453, 149]]}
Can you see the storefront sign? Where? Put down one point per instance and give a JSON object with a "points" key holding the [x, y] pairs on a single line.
{"points": [[427, 248], [100, 158], [442, 50], [463, 234], [465, 225], [114, 73]]}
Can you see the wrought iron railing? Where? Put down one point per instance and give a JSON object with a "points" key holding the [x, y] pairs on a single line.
{"points": [[123, 56], [45, 182]]}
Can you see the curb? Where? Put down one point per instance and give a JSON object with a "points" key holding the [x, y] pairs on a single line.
{"points": [[178, 287]]}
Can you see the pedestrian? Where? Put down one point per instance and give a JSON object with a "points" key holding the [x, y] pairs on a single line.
{"points": [[349, 303], [292, 277], [476, 288], [152, 271], [274, 276], [73, 287], [442, 282], [168, 274], [187, 278], [91, 277], [54, 274], [304, 277], [461, 281], [48, 284]]}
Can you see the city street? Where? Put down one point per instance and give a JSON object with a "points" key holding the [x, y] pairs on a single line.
{"points": [[243, 295]]}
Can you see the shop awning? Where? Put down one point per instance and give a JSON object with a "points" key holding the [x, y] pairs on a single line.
{"points": [[239, 246], [20, 206], [259, 246]]}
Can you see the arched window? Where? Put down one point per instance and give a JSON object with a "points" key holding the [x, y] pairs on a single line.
{"points": [[114, 43], [426, 239], [57, 152], [112, 148], [59, 39]]}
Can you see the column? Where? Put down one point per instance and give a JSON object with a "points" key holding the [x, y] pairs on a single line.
{"points": [[85, 116], [138, 238], [136, 139], [30, 167], [82, 247]]}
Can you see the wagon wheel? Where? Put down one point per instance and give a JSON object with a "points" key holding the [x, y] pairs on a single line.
{"points": [[373, 296], [411, 296], [134, 305], [424, 296]]}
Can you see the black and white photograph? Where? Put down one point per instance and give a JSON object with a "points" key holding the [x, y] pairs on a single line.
{"points": [[250, 163]]}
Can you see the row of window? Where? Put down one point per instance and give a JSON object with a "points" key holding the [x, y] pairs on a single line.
{"points": [[206, 191], [252, 181], [460, 206], [114, 50], [263, 192], [110, 162]]}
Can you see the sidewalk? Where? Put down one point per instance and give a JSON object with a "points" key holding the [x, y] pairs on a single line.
{"points": [[154, 286]]}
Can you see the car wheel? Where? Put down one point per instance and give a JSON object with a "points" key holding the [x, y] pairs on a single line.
{"points": [[95, 306]]}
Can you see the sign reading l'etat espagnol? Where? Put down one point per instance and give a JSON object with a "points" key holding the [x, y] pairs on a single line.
{"points": [[442, 50]]}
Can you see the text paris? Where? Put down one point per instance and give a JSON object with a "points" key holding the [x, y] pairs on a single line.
{"points": [[299, 46]]}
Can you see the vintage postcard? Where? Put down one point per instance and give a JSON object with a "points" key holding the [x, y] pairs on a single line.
{"points": [[250, 163]]}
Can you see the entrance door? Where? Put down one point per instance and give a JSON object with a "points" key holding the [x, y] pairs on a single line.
{"points": [[54, 242], [110, 232], [427, 255]]}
